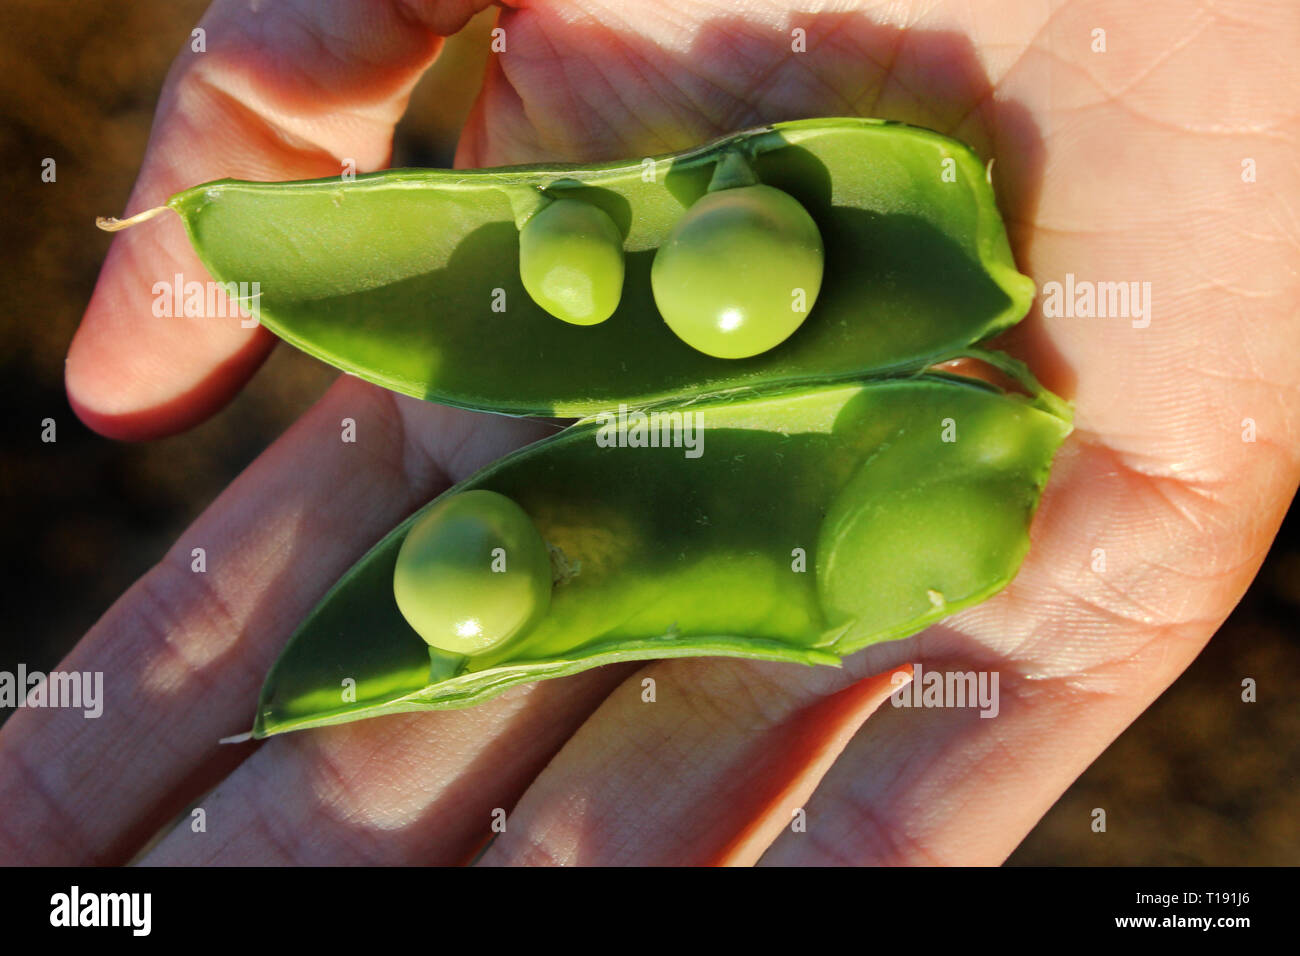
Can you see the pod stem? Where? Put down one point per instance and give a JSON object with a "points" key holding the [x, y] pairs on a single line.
{"points": [[113, 224], [526, 202], [1043, 397], [733, 170]]}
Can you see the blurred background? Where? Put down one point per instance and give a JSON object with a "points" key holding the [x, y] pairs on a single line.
{"points": [[1200, 778]]}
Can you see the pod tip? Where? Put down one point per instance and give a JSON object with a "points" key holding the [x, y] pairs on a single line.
{"points": [[113, 224]]}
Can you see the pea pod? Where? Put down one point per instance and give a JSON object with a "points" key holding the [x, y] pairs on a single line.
{"points": [[816, 520], [410, 278]]}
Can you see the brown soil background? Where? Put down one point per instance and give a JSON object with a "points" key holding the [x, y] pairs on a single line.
{"points": [[1200, 778]]}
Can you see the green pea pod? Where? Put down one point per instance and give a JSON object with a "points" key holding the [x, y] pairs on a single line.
{"points": [[410, 279], [813, 521]]}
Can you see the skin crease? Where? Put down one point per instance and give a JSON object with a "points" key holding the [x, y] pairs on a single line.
{"points": [[1116, 166]]}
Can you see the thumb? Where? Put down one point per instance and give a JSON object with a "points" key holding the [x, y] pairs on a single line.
{"points": [[263, 91]]}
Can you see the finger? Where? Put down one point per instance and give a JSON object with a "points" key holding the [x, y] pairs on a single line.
{"points": [[690, 762], [944, 787], [183, 653], [413, 789], [281, 91], [810, 744]]}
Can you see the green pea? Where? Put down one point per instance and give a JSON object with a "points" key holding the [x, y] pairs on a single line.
{"points": [[739, 272], [571, 261], [472, 573]]}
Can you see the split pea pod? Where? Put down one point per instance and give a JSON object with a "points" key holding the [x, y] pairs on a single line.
{"points": [[815, 520], [411, 279]]}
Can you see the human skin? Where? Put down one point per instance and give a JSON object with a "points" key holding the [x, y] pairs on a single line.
{"points": [[1117, 166]]}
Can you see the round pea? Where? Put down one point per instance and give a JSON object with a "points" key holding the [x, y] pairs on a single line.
{"points": [[571, 261], [739, 272], [472, 573]]}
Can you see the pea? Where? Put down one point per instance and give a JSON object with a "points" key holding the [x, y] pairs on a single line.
{"points": [[739, 272], [472, 573], [571, 261], [413, 278]]}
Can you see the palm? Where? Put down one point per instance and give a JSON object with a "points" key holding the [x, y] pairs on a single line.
{"points": [[1108, 167]]}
